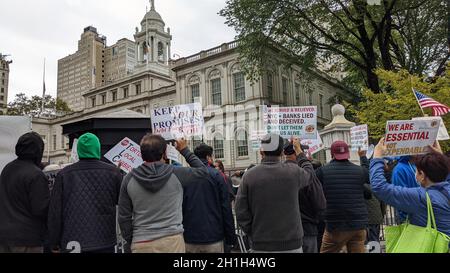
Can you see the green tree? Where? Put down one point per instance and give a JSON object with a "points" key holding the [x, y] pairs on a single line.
{"points": [[22, 105], [397, 101], [349, 34]]}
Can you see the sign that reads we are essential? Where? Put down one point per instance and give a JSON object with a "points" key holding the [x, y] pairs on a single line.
{"points": [[126, 154], [359, 136], [178, 121], [291, 122], [410, 137]]}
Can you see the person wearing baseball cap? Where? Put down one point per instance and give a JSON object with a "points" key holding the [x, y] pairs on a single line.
{"points": [[346, 216], [267, 204]]}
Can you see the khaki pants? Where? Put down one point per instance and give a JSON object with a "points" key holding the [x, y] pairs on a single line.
{"points": [[334, 242], [169, 244], [211, 248], [20, 249]]}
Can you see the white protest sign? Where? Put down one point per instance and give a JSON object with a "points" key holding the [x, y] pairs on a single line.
{"points": [[74, 154], [173, 154], [255, 139], [410, 137], [11, 129], [443, 133], [315, 145], [291, 122], [178, 121], [127, 154], [370, 151], [359, 136]]}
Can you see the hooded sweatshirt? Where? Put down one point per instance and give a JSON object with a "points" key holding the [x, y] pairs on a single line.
{"points": [[151, 197], [24, 195], [88, 147], [404, 175]]}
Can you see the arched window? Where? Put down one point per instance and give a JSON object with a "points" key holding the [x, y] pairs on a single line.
{"points": [[239, 86], [197, 140], [195, 92], [242, 143], [160, 52], [270, 86], [218, 147]]}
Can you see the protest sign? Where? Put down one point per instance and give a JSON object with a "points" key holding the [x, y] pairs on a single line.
{"points": [[11, 129], [370, 151], [178, 121], [315, 145], [126, 154], [74, 153], [173, 154], [443, 133], [410, 137], [359, 136], [255, 139], [291, 122]]}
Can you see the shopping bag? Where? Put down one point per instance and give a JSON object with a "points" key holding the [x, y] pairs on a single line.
{"points": [[407, 238]]}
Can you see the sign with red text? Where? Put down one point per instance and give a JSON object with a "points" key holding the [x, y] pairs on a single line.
{"points": [[410, 137], [443, 133], [288, 122], [174, 122], [126, 154], [315, 145], [359, 137]]}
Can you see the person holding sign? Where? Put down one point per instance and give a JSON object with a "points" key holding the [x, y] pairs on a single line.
{"points": [[267, 204], [207, 217], [312, 204], [83, 202], [432, 170], [151, 198]]}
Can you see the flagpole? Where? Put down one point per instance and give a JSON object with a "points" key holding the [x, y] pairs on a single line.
{"points": [[43, 91], [412, 88]]}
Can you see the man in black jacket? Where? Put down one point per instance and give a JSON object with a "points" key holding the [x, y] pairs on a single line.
{"points": [[312, 203], [83, 202], [24, 198], [207, 216], [346, 215]]}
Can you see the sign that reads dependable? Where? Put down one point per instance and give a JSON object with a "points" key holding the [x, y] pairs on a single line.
{"points": [[288, 122], [126, 154], [410, 137], [174, 122]]}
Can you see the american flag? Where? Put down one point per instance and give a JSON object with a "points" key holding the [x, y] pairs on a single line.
{"points": [[439, 109]]}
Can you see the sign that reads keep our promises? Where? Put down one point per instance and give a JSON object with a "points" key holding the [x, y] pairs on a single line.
{"points": [[410, 137], [291, 122], [178, 121]]}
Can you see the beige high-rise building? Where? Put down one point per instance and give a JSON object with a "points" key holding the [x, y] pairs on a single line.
{"points": [[83, 70], [120, 60], [4, 81]]}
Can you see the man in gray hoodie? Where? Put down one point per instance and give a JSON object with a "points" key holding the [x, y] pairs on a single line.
{"points": [[151, 197]]}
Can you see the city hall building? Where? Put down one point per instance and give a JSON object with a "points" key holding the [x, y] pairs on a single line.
{"points": [[100, 80]]}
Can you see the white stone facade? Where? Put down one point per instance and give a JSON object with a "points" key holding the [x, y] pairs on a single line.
{"points": [[213, 77]]}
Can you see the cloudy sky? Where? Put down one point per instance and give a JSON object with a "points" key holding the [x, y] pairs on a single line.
{"points": [[33, 30]]}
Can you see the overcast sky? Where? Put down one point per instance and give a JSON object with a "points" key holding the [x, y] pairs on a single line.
{"points": [[33, 30]]}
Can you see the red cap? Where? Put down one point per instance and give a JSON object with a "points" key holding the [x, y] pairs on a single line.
{"points": [[340, 151]]}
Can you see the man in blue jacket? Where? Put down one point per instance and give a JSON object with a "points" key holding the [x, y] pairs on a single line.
{"points": [[207, 216]]}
